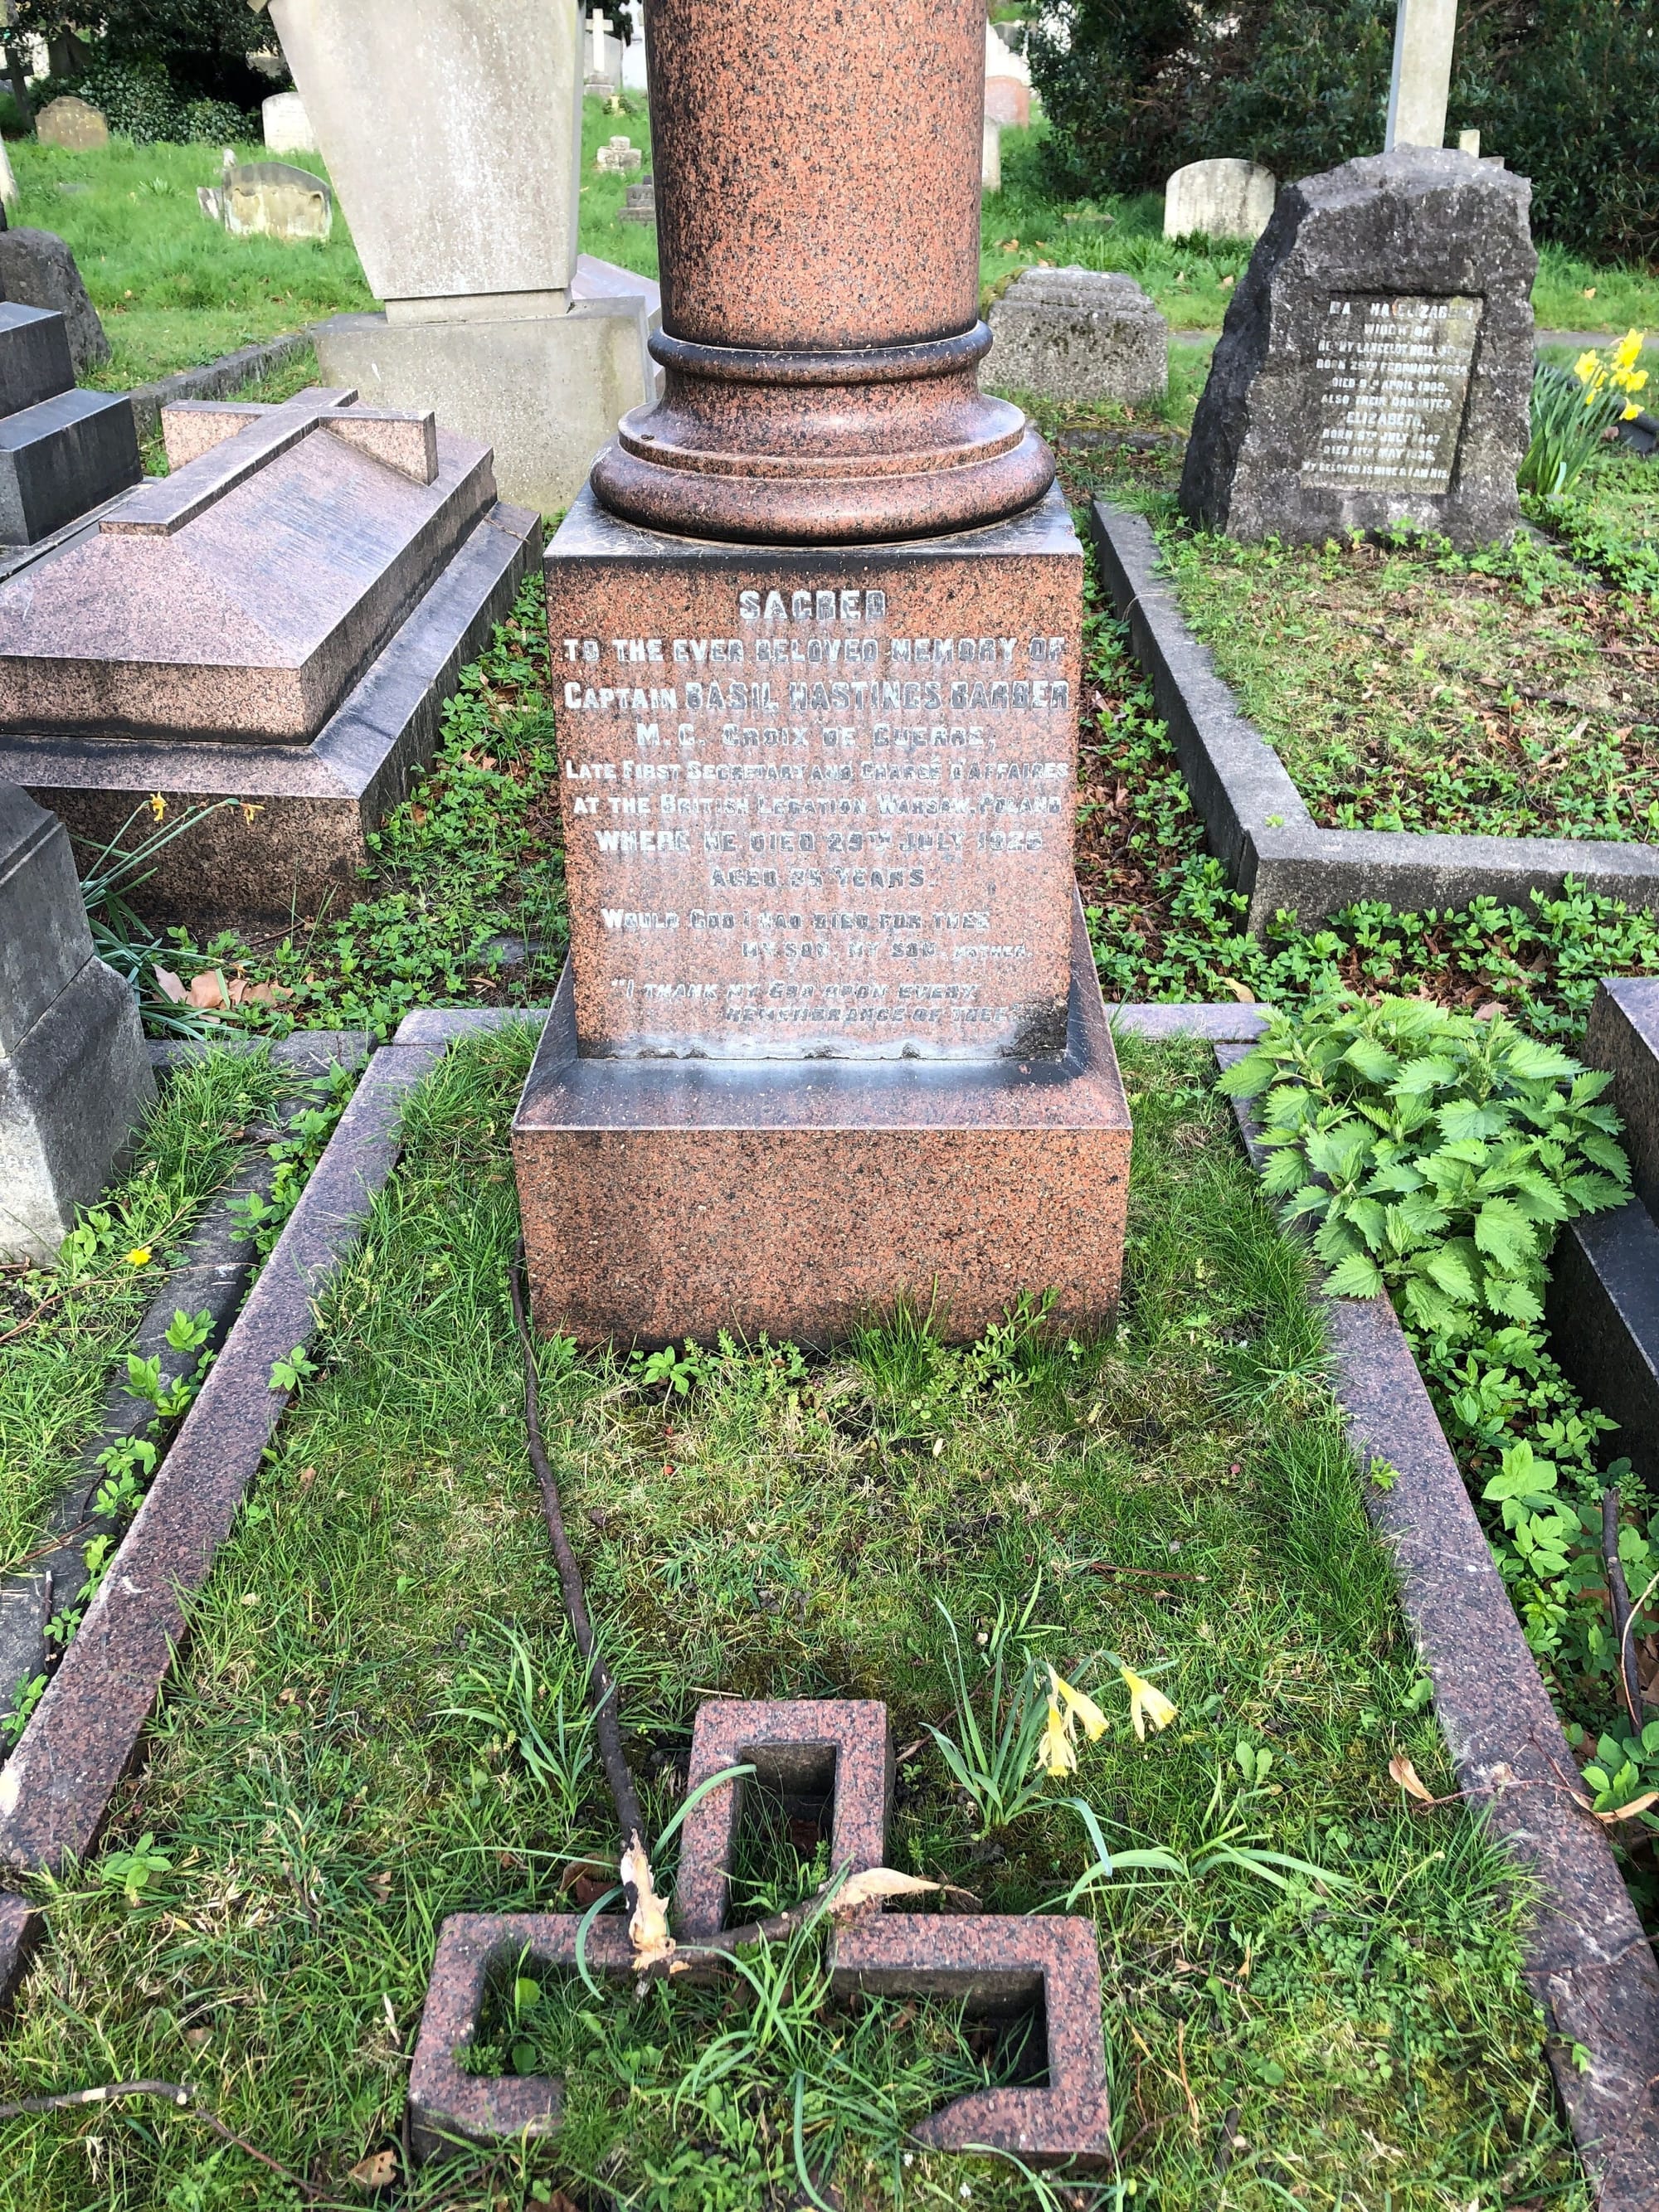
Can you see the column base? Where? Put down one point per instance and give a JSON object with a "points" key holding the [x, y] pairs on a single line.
{"points": [[668, 1199]]}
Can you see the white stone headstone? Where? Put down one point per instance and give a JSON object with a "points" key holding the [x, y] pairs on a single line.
{"points": [[288, 127], [475, 189], [1424, 33], [1219, 199], [990, 165]]}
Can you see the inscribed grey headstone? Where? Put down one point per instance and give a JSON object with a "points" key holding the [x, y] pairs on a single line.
{"points": [[75, 1077], [640, 202], [37, 270], [1079, 334], [1375, 365]]}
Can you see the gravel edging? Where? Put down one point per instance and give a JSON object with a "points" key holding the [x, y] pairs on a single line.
{"points": [[1588, 1960], [214, 379], [213, 1277], [1256, 821]]}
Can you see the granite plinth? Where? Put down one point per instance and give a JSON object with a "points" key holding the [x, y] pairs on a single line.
{"points": [[62, 456], [1375, 369], [38, 269], [1622, 1036], [664, 1199], [819, 254], [294, 839], [241, 599], [819, 802]]}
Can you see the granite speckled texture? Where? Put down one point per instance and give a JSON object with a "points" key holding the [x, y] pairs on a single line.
{"points": [[239, 599], [670, 1199], [815, 801], [820, 281], [807, 1749], [1588, 1960], [295, 838]]}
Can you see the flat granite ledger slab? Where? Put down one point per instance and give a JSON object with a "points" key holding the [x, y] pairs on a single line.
{"points": [[295, 836], [818, 799], [666, 1198], [238, 599]]}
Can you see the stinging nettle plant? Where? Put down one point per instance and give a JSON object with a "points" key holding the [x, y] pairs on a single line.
{"points": [[1437, 1153]]}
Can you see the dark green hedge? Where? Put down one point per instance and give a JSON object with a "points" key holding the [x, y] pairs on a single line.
{"points": [[1567, 91]]}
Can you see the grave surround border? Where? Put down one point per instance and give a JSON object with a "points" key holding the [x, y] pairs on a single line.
{"points": [[1257, 822], [1587, 1959]]}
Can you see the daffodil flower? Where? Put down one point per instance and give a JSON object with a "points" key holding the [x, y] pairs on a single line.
{"points": [[1055, 1754], [1077, 1707], [158, 806], [1145, 1702], [139, 1256], [1585, 367]]}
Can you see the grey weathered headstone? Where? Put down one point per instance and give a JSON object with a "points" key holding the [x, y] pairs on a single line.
{"points": [[74, 124], [1219, 199], [270, 199], [1375, 365], [37, 270], [75, 1077], [286, 126], [1079, 334], [640, 202]]}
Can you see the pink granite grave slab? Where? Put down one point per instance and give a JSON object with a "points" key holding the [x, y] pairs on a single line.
{"points": [[241, 597]]}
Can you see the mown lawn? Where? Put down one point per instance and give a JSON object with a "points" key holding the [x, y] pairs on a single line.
{"points": [[341, 1761]]}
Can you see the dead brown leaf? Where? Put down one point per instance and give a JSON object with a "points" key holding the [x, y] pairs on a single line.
{"points": [[207, 991], [378, 2172], [1401, 1770], [1242, 992]]}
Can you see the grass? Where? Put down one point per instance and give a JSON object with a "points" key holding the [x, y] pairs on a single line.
{"points": [[61, 1329], [782, 1528], [174, 290]]}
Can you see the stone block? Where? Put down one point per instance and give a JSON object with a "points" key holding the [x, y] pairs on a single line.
{"points": [[1079, 334], [293, 837], [475, 188], [639, 203], [546, 390], [1375, 365], [37, 270], [1602, 1310], [1219, 199], [61, 457], [45, 938], [272, 199], [71, 1094], [239, 599], [665, 1199], [73, 124], [286, 126], [34, 354], [1622, 1036]]}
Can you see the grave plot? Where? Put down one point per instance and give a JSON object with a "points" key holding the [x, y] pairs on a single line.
{"points": [[377, 1721]]}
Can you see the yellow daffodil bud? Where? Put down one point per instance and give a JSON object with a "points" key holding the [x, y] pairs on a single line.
{"points": [[1145, 1702], [1054, 1753], [158, 806], [1077, 1707]]}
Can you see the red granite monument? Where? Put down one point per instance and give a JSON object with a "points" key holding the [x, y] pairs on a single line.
{"points": [[830, 1033], [275, 622]]}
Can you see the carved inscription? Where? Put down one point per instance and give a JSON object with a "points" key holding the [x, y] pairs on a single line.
{"points": [[1390, 379], [806, 826]]}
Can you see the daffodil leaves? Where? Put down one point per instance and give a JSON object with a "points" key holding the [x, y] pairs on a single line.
{"points": [[1435, 1153]]}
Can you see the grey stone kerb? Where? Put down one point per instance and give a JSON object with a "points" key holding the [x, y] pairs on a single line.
{"points": [[1256, 822], [1314, 376]]}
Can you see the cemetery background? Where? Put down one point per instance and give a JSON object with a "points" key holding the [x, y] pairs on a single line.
{"points": [[467, 910]]}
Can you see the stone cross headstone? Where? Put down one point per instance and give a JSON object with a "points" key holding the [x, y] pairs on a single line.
{"points": [[1423, 35], [75, 1077], [1376, 366], [599, 30], [816, 627], [73, 124]]}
